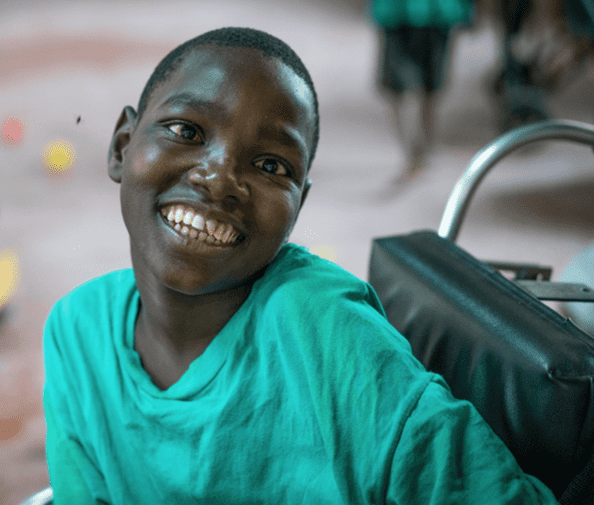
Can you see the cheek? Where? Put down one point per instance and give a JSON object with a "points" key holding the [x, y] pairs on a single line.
{"points": [[136, 197], [146, 165], [128, 203], [280, 213]]}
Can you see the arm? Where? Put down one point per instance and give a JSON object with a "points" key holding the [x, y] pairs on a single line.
{"points": [[74, 475], [448, 454], [65, 458]]}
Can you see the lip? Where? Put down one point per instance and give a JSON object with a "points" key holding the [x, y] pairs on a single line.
{"points": [[206, 213]]}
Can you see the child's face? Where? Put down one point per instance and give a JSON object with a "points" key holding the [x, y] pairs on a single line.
{"points": [[233, 146]]}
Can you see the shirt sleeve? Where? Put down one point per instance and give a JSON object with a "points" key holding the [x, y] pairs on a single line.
{"points": [[74, 477], [448, 454], [65, 457]]}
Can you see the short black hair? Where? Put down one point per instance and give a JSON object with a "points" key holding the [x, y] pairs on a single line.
{"points": [[233, 37]]}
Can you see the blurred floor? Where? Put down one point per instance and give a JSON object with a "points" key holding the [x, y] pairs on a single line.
{"points": [[62, 61]]}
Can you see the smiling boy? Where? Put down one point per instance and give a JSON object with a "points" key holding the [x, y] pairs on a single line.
{"points": [[229, 366], [225, 144]]}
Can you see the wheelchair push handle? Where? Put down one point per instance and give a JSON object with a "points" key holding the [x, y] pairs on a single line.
{"points": [[486, 158]]}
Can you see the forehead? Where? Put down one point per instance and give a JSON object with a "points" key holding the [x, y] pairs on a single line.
{"points": [[240, 77]]}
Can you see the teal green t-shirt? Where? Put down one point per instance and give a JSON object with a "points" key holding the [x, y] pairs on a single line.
{"points": [[394, 13], [307, 396]]}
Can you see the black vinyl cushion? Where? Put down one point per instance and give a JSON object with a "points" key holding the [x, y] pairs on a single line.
{"points": [[528, 371]]}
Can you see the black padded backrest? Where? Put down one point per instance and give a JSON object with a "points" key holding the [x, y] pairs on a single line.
{"points": [[528, 371]]}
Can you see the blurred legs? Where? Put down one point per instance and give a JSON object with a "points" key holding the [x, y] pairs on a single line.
{"points": [[412, 116]]}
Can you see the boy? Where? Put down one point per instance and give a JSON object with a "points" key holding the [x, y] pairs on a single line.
{"points": [[229, 366]]}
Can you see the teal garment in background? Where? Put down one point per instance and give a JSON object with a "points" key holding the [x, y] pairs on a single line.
{"points": [[307, 396], [391, 14]]}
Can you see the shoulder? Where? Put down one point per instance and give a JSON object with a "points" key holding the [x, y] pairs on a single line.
{"points": [[89, 296], [323, 304], [90, 307], [298, 275], [80, 330], [311, 284]]}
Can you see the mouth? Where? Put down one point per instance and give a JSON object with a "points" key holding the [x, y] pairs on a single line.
{"points": [[192, 226]]}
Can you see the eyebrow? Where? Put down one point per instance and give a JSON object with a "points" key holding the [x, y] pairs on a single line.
{"points": [[286, 136], [186, 99]]}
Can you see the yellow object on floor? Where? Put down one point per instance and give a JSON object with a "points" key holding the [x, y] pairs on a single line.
{"points": [[10, 275]]}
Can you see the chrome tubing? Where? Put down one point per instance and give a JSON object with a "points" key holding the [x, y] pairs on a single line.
{"points": [[43, 497], [483, 161]]}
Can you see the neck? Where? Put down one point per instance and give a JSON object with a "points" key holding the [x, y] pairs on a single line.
{"points": [[184, 324]]}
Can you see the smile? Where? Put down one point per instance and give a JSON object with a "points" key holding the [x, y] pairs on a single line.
{"points": [[188, 223]]}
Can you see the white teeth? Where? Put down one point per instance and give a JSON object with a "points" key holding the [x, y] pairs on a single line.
{"points": [[190, 224], [219, 233], [198, 222], [225, 237], [230, 236]]}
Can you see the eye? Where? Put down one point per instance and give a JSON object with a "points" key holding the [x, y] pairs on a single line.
{"points": [[272, 165], [186, 131]]}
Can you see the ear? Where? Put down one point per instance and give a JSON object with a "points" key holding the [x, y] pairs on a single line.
{"points": [[119, 142]]}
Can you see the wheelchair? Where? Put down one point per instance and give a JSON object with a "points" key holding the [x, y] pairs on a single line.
{"points": [[527, 370], [43, 497]]}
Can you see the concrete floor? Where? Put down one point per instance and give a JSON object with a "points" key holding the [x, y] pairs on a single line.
{"points": [[64, 60]]}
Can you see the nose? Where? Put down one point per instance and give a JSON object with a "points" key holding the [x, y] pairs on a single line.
{"points": [[220, 179]]}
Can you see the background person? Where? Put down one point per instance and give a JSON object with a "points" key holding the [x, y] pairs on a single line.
{"points": [[413, 60]]}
